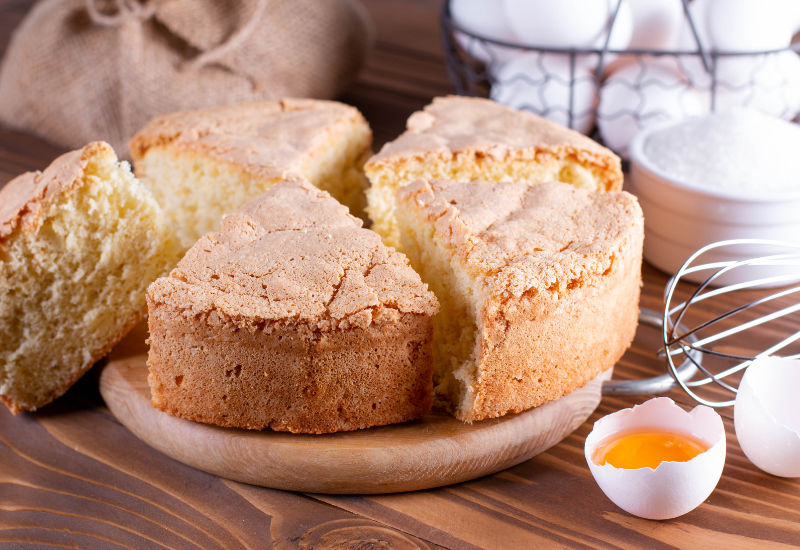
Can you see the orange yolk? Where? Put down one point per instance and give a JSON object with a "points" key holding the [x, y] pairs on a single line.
{"points": [[647, 449]]}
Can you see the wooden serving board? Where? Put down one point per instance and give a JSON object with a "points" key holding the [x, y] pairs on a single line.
{"points": [[433, 451]]}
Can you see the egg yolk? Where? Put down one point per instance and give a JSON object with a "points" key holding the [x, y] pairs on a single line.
{"points": [[647, 450]]}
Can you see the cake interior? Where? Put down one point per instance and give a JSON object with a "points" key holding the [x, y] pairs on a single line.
{"points": [[196, 190], [387, 178], [456, 327], [78, 283]]}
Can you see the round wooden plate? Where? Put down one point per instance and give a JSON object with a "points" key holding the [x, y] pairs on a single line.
{"points": [[433, 451]]}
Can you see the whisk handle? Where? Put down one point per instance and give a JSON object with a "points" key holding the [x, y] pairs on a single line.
{"points": [[656, 384]]}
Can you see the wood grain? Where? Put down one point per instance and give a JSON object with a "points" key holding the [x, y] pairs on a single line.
{"points": [[72, 476], [433, 451]]}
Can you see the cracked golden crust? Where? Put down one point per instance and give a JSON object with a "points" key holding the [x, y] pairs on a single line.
{"points": [[295, 318], [474, 127], [526, 238], [557, 275], [295, 256], [26, 198], [269, 139]]}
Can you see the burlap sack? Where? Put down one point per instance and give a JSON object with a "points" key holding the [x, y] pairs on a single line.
{"points": [[83, 70]]}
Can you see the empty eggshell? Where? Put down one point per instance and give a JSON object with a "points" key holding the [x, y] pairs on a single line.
{"points": [[540, 83], [767, 415], [673, 488]]}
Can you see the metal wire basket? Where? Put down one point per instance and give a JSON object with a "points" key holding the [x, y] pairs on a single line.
{"points": [[474, 66]]}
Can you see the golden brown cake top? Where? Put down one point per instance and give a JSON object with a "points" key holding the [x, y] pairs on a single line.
{"points": [[295, 256], [265, 137], [453, 125], [524, 238], [27, 197]]}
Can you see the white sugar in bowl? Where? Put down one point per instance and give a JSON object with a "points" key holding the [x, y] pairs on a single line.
{"points": [[691, 197]]}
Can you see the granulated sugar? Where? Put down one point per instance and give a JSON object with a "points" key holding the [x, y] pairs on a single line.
{"points": [[740, 150]]}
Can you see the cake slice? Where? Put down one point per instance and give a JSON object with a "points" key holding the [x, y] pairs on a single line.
{"points": [[465, 139], [292, 317], [201, 165], [538, 286], [79, 243]]}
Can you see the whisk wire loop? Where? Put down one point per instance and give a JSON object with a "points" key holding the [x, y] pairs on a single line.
{"points": [[678, 340]]}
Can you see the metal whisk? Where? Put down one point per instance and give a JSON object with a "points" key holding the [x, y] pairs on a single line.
{"points": [[780, 266]]}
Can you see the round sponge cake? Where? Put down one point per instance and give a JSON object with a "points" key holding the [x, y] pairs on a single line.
{"points": [[539, 287], [292, 317]]}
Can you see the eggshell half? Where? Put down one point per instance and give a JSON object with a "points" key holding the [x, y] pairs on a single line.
{"points": [[673, 488], [767, 415]]}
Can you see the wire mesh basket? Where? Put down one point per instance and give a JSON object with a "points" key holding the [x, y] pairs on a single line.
{"points": [[564, 84]]}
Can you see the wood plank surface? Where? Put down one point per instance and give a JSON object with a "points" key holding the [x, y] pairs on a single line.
{"points": [[72, 476]]}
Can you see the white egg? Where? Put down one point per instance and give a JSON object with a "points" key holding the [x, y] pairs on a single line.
{"points": [[672, 488], [540, 83], [687, 41], [748, 26], [767, 415], [555, 25], [740, 25], [656, 24], [492, 55], [692, 66], [621, 27], [561, 24], [643, 94], [795, 7], [484, 19], [769, 83], [481, 17]]}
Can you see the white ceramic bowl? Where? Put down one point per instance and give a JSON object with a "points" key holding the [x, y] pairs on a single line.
{"points": [[679, 219]]}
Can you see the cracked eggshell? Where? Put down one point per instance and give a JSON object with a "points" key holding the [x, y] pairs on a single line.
{"points": [[767, 415], [673, 488]]}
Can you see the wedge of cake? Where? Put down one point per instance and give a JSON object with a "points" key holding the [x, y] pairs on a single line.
{"points": [[292, 317], [466, 139], [538, 285], [201, 165], [79, 244]]}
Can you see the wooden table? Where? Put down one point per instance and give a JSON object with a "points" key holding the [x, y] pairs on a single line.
{"points": [[71, 475]]}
